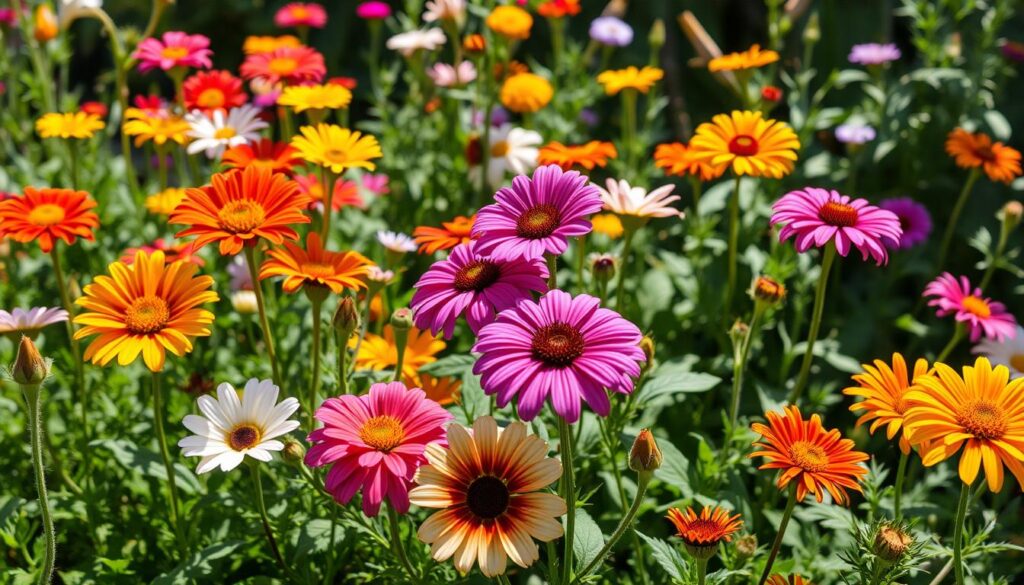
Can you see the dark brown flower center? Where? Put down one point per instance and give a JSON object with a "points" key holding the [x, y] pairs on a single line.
{"points": [[538, 222], [743, 145], [985, 153], [558, 344], [838, 214], [476, 276], [487, 497], [243, 437]]}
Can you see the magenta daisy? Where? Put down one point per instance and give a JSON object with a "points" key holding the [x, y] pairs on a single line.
{"points": [[819, 216], [174, 49], [564, 347], [376, 442], [980, 314], [474, 285], [536, 216]]}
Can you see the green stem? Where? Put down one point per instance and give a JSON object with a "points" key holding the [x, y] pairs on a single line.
{"points": [[33, 400], [901, 473], [812, 334], [702, 571], [172, 486], [958, 533], [267, 529], [620, 281], [552, 271], [257, 287], [342, 368], [740, 365], [958, 334], [568, 490], [643, 479], [997, 255], [581, 252], [734, 232], [401, 339], [503, 579], [398, 546], [79, 365], [947, 238], [629, 127], [314, 385], [161, 165], [73, 160], [327, 178], [786, 515]]}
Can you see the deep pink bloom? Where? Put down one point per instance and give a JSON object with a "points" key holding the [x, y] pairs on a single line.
{"points": [[979, 313], [373, 10], [174, 49], [298, 14], [375, 441], [819, 216], [376, 183], [536, 216], [8, 17], [564, 347], [471, 284]]}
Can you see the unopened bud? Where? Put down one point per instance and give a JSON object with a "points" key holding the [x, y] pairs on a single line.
{"points": [[891, 543], [647, 346], [45, 24], [771, 94], [401, 319], [474, 44], [656, 37], [812, 31], [293, 451], [738, 332], [602, 266], [346, 317], [768, 290], [244, 302], [1012, 212], [29, 368], [645, 456], [746, 546]]}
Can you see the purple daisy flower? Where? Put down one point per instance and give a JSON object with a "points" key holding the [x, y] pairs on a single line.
{"points": [[31, 321], [564, 347], [915, 221], [874, 53], [611, 31], [854, 133], [536, 216], [468, 283]]}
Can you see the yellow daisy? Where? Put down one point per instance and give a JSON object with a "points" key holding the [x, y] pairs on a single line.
{"points": [[315, 97], [337, 148], [752, 58], [379, 352], [630, 78], [71, 125], [164, 202], [158, 129]]}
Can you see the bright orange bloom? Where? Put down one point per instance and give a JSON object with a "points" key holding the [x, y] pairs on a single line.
{"points": [[701, 534], [173, 252], [44, 215], [315, 266], [559, 8], [884, 391], [983, 412], [444, 390], [451, 234], [752, 58], [592, 154], [816, 459], [239, 207], [677, 159], [277, 156], [748, 143], [213, 90], [256, 44], [1000, 162], [149, 307], [289, 65]]}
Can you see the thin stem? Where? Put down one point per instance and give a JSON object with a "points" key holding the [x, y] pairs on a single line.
{"points": [[503, 579], [267, 529], [327, 178], [901, 473], [947, 237], [812, 335], [581, 252], [786, 515], [34, 403], [741, 363], [958, 533], [643, 479], [568, 490], [257, 287], [997, 255], [620, 281], [73, 159], [161, 166], [401, 340], [958, 334], [734, 234], [702, 571], [172, 486], [342, 369], [398, 546], [629, 127], [65, 299], [552, 271], [314, 385]]}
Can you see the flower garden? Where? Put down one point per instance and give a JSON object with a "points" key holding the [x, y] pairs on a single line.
{"points": [[525, 291]]}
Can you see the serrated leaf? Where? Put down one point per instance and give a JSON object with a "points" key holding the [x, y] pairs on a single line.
{"points": [[587, 539], [667, 557], [675, 467]]}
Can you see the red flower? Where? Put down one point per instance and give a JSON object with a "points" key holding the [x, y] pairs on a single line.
{"points": [[213, 90]]}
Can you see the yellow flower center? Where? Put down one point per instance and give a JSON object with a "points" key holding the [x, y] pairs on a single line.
{"points": [[540, 221], [283, 65], [1017, 362], [983, 419], [174, 53], [243, 436], [383, 433], [211, 98], [838, 214], [476, 276], [146, 315], [241, 216], [46, 214], [314, 270], [743, 145], [225, 133], [808, 456], [499, 149], [336, 155], [976, 306]]}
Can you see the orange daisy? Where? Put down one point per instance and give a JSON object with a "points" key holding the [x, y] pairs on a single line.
{"points": [[45, 215], [884, 390], [983, 412], [701, 534], [149, 307], [677, 159], [592, 154], [277, 156], [450, 234], [379, 352], [752, 58], [444, 390], [288, 65], [488, 486], [240, 206], [173, 252], [971, 151], [315, 266], [748, 143], [816, 459], [559, 8]]}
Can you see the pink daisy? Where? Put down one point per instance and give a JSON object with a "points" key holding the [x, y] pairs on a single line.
{"points": [[980, 314], [298, 14], [819, 216], [536, 216], [564, 347], [376, 442], [474, 285], [31, 321], [174, 49]]}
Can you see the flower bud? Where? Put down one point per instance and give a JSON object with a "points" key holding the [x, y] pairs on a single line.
{"points": [[891, 543], [29, 368], [768, 290], [602, 266], [346, 317], [401, 319], [474, 44], [645, 456], [812, 31], [316, 293], [746, 546], [771, 94], [738, 333], [45, 24], [244, 302], [293, 451], [647, 346], [656, 37], [1012, 212]]}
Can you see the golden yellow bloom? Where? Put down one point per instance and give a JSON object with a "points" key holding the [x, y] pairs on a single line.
{"points": [[378, 352], [256, 45], [526, 92], [315, 97], [159, 129], [608, 224], [70, 125], [752, 58], [641, 80], [336, 148], [750, 144], [511, 22], [884, 391], [164, 202]]}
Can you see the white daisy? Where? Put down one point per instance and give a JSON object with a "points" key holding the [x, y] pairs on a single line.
{"points": [[408, 43], [234, 426], [244, 302], [511, 149], [1008, 352], [30, 321], [396, 242], [453, 10], [215, 133], [623, 199], [69, 10]]}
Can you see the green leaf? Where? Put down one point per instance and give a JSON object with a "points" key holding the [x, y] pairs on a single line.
{"points": [[587, 540], [675, 467], [449, 365], [133, 457], [667, 556], [670, 380], [200, 564]]}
